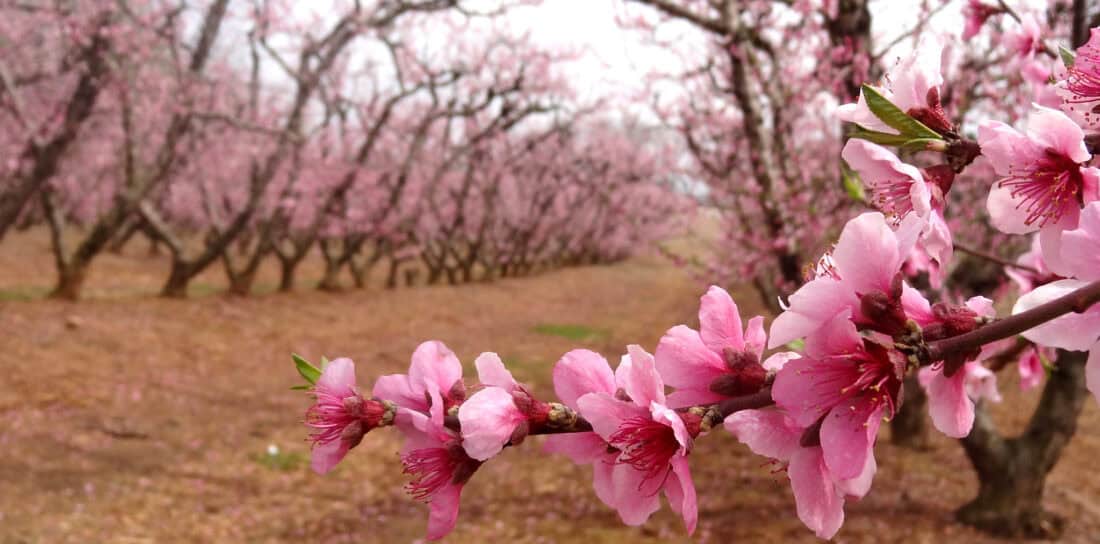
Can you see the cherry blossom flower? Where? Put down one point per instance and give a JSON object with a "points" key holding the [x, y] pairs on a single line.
{"points": [[435, 371], [1080, 256], [976, 13], [719, 360], [1030, 367], [504, 412], [652, 439], [577, 374], [862, 282], [1044, 182], [340, 417], [1036, 272], [1080, 88], [913, 86], [433, 455], [819, 496]]}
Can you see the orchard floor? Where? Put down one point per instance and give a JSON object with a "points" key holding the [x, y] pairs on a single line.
{"points": [[129, 418]]}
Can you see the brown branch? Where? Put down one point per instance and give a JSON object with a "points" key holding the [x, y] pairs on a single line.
{"points": [[1077, 301]]}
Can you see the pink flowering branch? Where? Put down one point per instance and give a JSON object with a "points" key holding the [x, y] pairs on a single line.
{"points": [[1077, 301]]}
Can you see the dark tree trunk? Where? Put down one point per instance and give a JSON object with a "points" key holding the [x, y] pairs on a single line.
{"points": [[1012, 472], [178, 279], [287, 268], [909, 426], [70, 280]]}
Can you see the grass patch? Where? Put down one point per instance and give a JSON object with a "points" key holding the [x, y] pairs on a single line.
{"points": [[280, 460], [576, 333], [23, 294]]}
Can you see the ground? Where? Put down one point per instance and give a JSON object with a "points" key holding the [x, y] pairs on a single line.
{"points": [[129, 418]]}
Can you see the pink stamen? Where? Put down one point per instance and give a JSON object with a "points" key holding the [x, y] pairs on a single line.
{"points": [[646, 445], [1046, 187]]}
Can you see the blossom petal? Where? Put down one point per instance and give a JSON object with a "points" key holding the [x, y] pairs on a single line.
{"points": [[580, 372], [860, 485], [769, 433], [641, 381], [491, 371], [867, 254], [1082, 259], [952, 411], [755, 337], [488, 419], [1072, 331], [685, 362], [719, 322], [434, 363], [848, 437], [811, 306], [819, 504], [634, 506], [396, 388], [443, 511], [606, 413], [581, 448], [1057, 131], [338, 377], [326, 455], [680, 490]]}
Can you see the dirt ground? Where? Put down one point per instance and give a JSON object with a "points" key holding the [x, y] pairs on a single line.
{"points": [[129, 418]]}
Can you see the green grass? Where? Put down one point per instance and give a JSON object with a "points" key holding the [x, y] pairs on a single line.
{"points": [[23, 294], [280, 460], [576, 333]]}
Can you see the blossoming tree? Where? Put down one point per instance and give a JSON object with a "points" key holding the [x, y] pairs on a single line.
{"points": [[842, 347]]}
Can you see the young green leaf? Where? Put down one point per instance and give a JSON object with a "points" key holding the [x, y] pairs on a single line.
{"points": [[1068, 57], [300, 388], [892, 115], [852, 184], [306, 369]]}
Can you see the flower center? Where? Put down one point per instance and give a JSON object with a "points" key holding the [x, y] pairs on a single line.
{"points": [[433, 468], [332, 417], [646, 445], [1046, 187]]}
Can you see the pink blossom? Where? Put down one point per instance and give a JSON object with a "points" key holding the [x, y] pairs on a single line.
{"points": [[819, 496], [862, 282], [1030, 367], [435, 372], [1036, 272], [433, 455], [895, 187], [504, 412], [976, 13], [1026, 38], [1043, 181], [951, 399], [340, 417], [652, 440], [1080, 88], [718, 361], [577, 374], [847, 384], [913, 86]]}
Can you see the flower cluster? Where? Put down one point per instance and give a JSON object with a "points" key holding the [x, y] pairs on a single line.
{"points": [[858, 326]]}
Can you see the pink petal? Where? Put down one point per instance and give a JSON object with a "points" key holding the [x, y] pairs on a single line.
{"points": [[766, 432], [1004, 146], [820, 506], [603, 478], [811, 306], [1071, 331], [327, 455], [668, 416], [443, 511], [606, 413], [396, 388], [1005, 212], [981, 306], [338, 377], [680, 490], [848, 437], [581, 448], [1082, 255], [491, 371], [488, 419], [634, 507], [879, 168], [755, 337], [640, 378], [433, 363], [776, 361], [952, 411], [866, 255], [860, 485], [1054, 129], [683, 398], [796, 392], [685, 362], [860, 114], [838, 335], [580, 372], [719, 322]]}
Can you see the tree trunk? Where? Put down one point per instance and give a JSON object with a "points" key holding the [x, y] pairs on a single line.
{"points": [[1012, 472], [909, 426], [287, 268], [178, 279], [70, 280]]}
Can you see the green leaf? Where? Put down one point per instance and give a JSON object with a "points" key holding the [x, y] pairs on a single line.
{"points": [[306, 369], [894, 118], [920, 144], [880, 138], [796, 345], [300, 388], [1068, 57]]}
